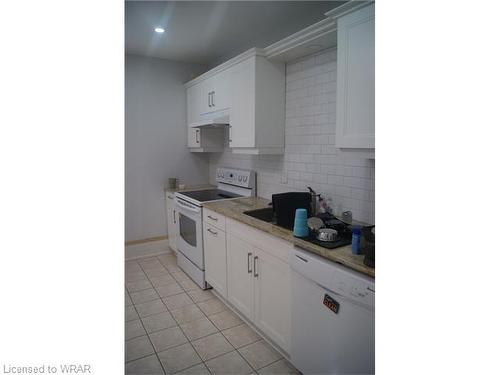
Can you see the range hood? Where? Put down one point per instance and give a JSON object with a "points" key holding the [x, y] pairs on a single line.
{"points": [[215, 121]]}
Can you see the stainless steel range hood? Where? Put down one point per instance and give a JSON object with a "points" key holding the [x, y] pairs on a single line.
{"points": [[215, 121]]}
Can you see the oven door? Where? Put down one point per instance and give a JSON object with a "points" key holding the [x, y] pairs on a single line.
{"points": [[189, 240]]}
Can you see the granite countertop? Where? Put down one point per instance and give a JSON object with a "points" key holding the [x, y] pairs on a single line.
{"points": [[234, 208], [167, 189]]}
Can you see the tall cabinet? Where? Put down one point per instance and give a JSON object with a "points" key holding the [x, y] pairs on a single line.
{"points": [[355, 128]]}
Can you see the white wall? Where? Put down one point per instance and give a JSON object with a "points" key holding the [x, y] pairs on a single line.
{"points": [[310, 156], [155, 141]]}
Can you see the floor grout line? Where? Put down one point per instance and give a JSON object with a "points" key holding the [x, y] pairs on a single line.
{"points": [[149, 338], [189, 340]]}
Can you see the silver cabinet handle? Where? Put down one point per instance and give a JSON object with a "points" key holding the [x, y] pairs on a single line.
{"points": [[213, 218], [249, 255], [255, 274], [196, 135], [230, 140], [211, 231], [175, 222], [210, 93], [213, 98]]}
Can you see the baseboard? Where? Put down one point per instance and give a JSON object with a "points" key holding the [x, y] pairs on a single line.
{"points": [[145, 240], [146, 248]]}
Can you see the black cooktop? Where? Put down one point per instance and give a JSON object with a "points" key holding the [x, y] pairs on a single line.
{"points": [[209, 195], [344, 233]]}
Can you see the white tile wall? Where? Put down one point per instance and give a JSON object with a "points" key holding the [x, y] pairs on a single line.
{"points": [[311, 158]]}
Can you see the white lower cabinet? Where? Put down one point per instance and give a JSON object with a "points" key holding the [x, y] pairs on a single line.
{"points": [[258, 285], [272, 298], [214, 243], [172, 227], [240, 279]]}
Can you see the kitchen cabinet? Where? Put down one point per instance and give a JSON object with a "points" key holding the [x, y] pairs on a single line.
{"points": [[355, 127], [194, 137], [258, 282], [257, 117], [205, 139], [240, 279], [214, 244], [193, 104], [272, 298], [216, 95], [172, 217], [250, 89]]}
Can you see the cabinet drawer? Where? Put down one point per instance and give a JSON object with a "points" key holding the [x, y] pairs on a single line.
{"points": [[214, 241], [215, 219], [270, 244]]}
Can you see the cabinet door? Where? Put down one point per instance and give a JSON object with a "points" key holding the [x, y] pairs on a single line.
{"points": [[193, 97], [240, 283], [172, 227], [194, 137], [272, 298], [207, 90], [356, 80], [214, 241], [242, 127], [221, 94]]}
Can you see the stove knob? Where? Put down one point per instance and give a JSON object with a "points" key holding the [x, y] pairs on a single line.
{"points": [[239, 178], [245, 179]]}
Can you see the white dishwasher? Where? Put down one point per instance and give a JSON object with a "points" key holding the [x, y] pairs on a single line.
{"points": [[333, 317]]}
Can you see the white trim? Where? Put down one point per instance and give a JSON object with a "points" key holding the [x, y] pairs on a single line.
{"points": [[307, 35], [258, 151], [310, 34], [252, 52], [206, 149], [146, 249], [347, 8]]}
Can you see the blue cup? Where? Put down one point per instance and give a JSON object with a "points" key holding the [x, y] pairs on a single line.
{"points": [[300, 228]]}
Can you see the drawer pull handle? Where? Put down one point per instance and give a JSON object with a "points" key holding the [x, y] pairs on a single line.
{"points": [[248, 262], [255, 274], [213, 218], [211, 231]]}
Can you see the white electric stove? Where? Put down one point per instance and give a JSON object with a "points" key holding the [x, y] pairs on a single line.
{"points": [[231, 183]]}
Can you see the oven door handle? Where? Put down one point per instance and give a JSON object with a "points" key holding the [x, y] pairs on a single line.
{"points": [[186, 206]]}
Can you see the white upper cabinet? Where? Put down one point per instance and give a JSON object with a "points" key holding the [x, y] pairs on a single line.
{"points": [[216, 95], [257, 119], [355, 128], [194, 107], [251, 90]]}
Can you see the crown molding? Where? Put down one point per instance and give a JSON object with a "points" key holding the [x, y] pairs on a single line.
{"points": [[299, 44], [303, 37], [252, 52], [346, 8]]}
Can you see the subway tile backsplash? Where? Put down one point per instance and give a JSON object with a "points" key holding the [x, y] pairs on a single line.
{"points": [[311, 158]]}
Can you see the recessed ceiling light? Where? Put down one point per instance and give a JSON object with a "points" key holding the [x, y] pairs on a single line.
{"points": [[159, 30]]}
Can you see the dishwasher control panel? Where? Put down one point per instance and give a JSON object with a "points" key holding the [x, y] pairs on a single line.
{"points": [[340, 281]]}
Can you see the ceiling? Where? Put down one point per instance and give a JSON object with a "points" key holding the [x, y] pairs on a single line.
{"points": [[209, 32]]}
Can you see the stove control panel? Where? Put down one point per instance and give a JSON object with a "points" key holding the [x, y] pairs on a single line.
{"points": [[238, 177]]}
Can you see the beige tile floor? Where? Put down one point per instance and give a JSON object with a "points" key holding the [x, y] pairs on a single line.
{"points": [[174, 327]]}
